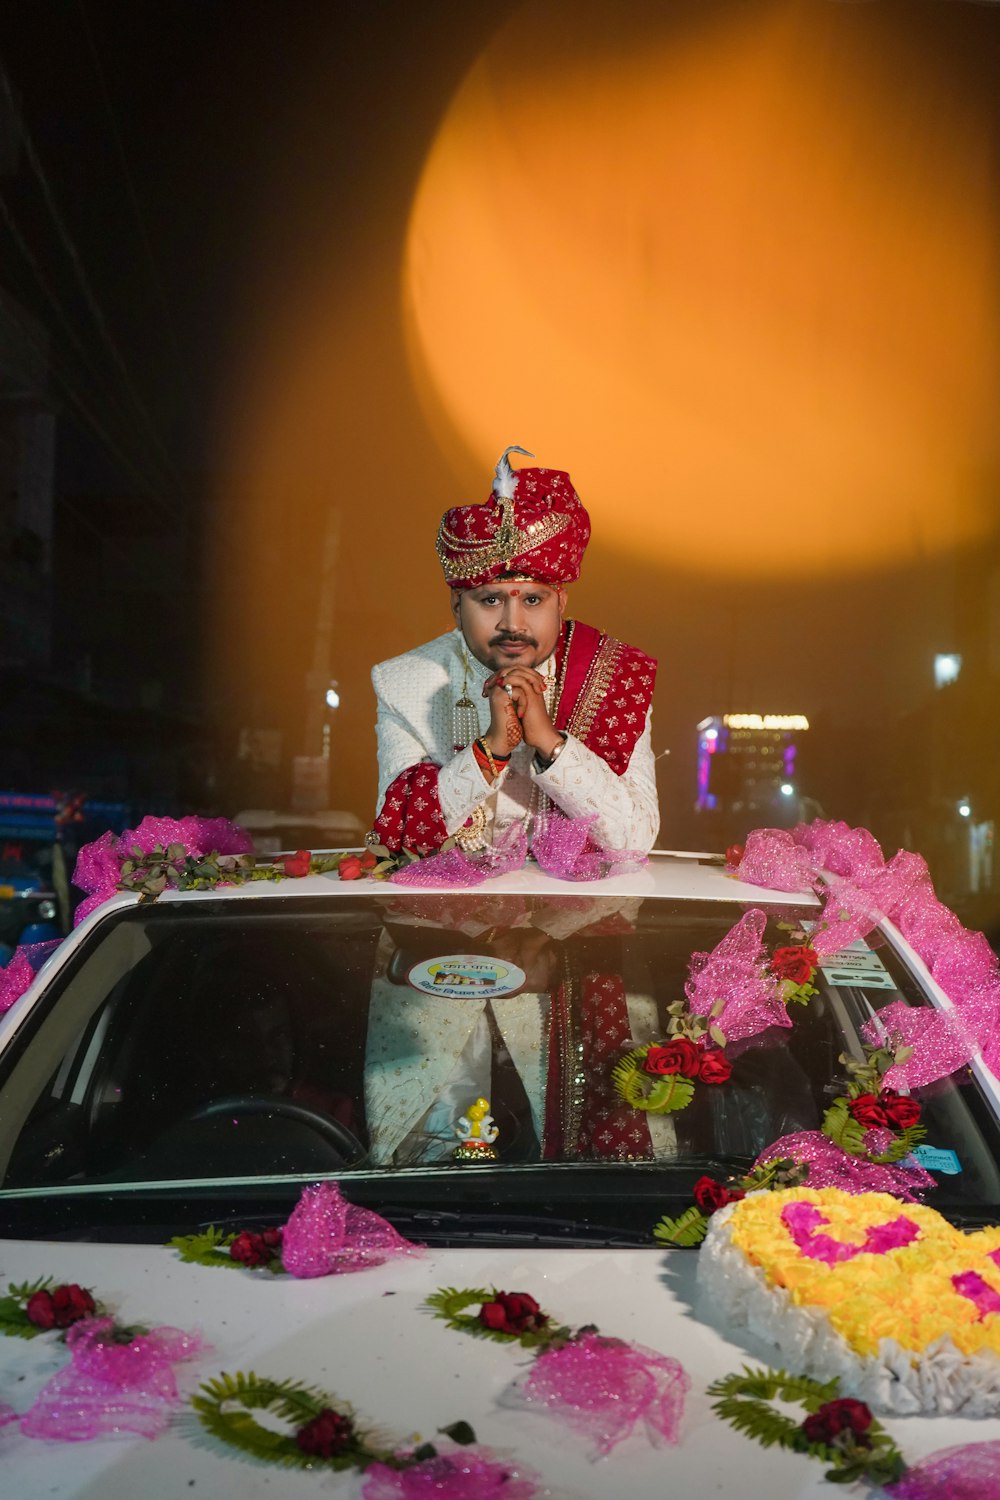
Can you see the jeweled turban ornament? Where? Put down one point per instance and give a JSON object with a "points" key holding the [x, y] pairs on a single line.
{"points": [[532, 526]]}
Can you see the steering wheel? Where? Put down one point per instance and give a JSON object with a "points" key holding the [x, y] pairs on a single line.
{"points": [[343, 1140]]}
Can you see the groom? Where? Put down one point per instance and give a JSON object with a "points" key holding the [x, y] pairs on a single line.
{"points": [[517, 711]]}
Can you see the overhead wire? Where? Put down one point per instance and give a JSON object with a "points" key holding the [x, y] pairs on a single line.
{"points": [[90, 297], [84, 410], [147, 244], [52, 299]]}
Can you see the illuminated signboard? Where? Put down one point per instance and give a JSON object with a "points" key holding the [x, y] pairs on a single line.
{"points": [[765, 721]]}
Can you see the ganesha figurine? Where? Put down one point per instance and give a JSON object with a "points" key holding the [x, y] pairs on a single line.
{"points": [[476, 1133]]}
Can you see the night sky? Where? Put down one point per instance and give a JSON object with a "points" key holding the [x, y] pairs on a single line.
{"points": [[238, 177]]}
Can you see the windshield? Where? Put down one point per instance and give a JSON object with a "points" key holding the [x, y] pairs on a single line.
{"points": [[197, 1048]]}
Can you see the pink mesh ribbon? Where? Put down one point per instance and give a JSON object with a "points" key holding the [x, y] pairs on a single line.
{"points": [[110, 1387], [736, 971], [562, 847], [941, 1043], [327, 1236], [971, 1472], [773, 859], [829, 1166], [456, 867], [472, 1474], [603, 1387], [98, 863], [861, 890], [24, 964]]}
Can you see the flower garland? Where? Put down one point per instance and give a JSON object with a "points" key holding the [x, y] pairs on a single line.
{"points": [[325, 1434], [325, 1235], [868, 1106], [842, 1432], [601, 1386], [795, 967], [837, 1429], [118, 1379], [861, 889], [34, 1307], [659, 1077], [252, 1249], [690, 1227], [732, 993]]}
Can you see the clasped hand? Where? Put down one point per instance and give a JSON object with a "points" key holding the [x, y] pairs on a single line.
{"points": [[521, 713]]}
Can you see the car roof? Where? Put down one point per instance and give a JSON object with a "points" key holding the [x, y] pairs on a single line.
{"points": [[670, 874]]}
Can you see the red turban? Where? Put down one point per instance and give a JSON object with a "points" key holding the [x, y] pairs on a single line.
{"points": [[532, 525]]}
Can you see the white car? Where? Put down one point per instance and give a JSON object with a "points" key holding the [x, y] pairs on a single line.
{"points": [[199, 1060]]}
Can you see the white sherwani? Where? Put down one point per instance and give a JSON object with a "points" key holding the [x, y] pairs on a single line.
{"points": [[416, 696]]}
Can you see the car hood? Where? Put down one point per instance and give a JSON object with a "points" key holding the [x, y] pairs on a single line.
{"points": [[366, 1340]]}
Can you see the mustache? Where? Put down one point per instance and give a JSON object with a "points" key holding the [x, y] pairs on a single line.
{"points": [[510, 640]]}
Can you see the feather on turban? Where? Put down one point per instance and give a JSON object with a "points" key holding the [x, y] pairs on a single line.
{"points": [[532, 525]]}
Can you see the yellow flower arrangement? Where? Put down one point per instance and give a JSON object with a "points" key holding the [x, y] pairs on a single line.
{"points": [[905, 1293]]}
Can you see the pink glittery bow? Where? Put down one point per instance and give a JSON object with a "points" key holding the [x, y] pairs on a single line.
{"points": [[562, 847], [830, 1166], [109, 1387], [603, 1387], [971, 1472], [468, 1474], [861, 890], [456, 867], [941, 1042], [98, 864], [24, 964], [327, 1236], [736, 972]]}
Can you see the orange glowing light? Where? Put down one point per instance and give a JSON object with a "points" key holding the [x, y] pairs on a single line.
{"points": [[739, 277]]}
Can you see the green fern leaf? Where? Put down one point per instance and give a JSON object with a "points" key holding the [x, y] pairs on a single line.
{"points": [[689, 1228], [841, 1127], [225, 1406], [659, 1095], [448, 1303], [206, 1248]]}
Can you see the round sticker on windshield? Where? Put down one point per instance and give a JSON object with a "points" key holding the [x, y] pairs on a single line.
{"points": [[462, 975]]}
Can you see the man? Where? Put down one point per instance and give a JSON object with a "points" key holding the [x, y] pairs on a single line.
{"points": [[516, 711]]}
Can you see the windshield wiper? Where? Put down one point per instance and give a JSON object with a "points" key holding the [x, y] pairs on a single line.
{"points": [[444, 1227]]}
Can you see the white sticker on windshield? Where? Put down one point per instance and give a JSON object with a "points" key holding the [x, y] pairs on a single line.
{"points": [[458, 975], [858, 966]]}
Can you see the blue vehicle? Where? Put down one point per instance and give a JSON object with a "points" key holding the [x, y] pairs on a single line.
{"points": [[40, 835]]}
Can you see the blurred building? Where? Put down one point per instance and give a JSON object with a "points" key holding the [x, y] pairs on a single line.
{"points": [[27, 465], [748, 768]]}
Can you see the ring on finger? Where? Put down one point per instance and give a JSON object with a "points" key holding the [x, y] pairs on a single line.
{"points": [[508, 689]]}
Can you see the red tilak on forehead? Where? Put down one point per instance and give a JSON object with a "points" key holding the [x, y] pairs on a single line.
{"points": [[515, 593]]}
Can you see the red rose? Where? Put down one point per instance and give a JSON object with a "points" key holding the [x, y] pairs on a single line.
{"points": [[835, 1417], [298, 863], [678, 1056], [710, 1195], [715, 1067], [512, 1312], [369, 860], [796, 964], [253, 1249], [867, 1111], [351, 868], [900, 1109], [326, 1435], [60, 1307], [734, 855]]}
